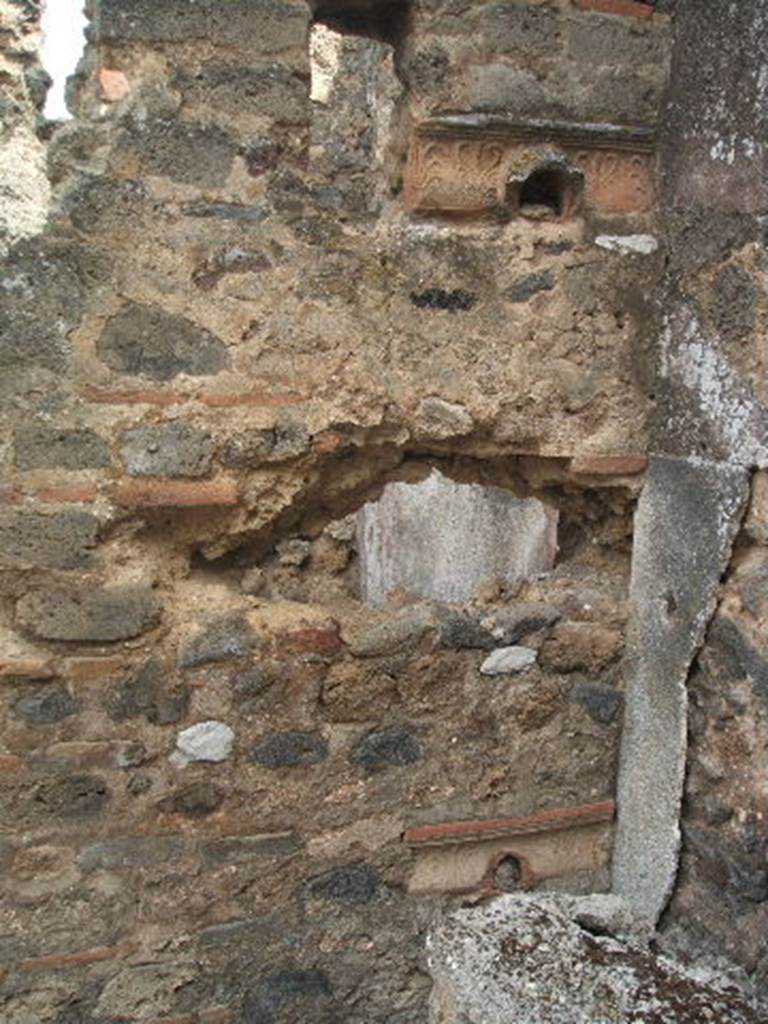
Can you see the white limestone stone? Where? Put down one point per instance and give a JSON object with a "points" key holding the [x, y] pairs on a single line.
{"points": [[206, 741], [505, 660]]}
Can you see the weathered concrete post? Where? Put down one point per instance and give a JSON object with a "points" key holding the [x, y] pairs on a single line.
{"points": [[710, 426]]}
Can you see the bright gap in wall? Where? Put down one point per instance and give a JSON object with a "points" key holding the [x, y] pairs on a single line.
{"points": [[63, 24]]}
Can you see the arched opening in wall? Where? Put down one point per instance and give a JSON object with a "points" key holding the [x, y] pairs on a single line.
{"points": [[354, 93], [549, 192]]}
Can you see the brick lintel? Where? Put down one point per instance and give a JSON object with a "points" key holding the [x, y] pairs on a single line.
{"points": [[453, 832]]}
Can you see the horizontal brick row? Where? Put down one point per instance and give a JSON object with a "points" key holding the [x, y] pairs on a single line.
{"points": [[546, 821]]}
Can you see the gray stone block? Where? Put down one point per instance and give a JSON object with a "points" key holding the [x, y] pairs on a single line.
{"points": [[89, 614], [167, 449], [148, 341], [228, 636], [45, 706], [350, 883], [42, 447], [64, 540], [130, 852]]}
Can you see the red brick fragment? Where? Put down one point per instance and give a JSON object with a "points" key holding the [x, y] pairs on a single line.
{"points": [[223, 399], [9, 764], [609, 465], [61, 961], [113, 85], [26, 668], [9, 495], [625, 8], [545, 821], [327, 442], [146, 396], [174, 493], [216, 1015], [74, 493], [315, 639]]}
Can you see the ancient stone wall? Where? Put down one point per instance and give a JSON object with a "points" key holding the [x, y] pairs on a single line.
{"points": [[269, 285]]}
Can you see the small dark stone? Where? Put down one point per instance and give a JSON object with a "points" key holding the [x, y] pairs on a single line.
{"points": [[146, 693], [289, 749], [197, 800], [456, 301], [261, 155], [462, 629], [45, 706], [167, 449], [734, 303], [89, 614], [229, 636], [526, 287], [352, 883], [264, 1003], [390, 747], [601, 702], [72, 796], [47, 448], [148, 341]]}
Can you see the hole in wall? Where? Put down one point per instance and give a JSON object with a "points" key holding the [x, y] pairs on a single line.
{"points": [[508, 874], [547, 193], [63, 24]]}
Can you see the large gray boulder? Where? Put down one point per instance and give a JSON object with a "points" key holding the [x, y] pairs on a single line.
{"points": [[546, 959]]}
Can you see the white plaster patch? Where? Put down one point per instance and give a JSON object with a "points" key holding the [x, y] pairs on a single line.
{"points": [[642, 245], [206, 741]]}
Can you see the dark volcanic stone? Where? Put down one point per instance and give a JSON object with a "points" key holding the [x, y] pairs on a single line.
{"points": [[352, 883], [167, 449], [735, 656], [42, 447], [239, 849], [601, 702], [184, 151], [72, 796], [146, 693], [526, 287], [456, 301], [89, 614], [61, 541], [289, 749], [229, 636], [390, 747], [45, 706], [734, 303], [148, 341], [196, 800], [283, 991]]}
